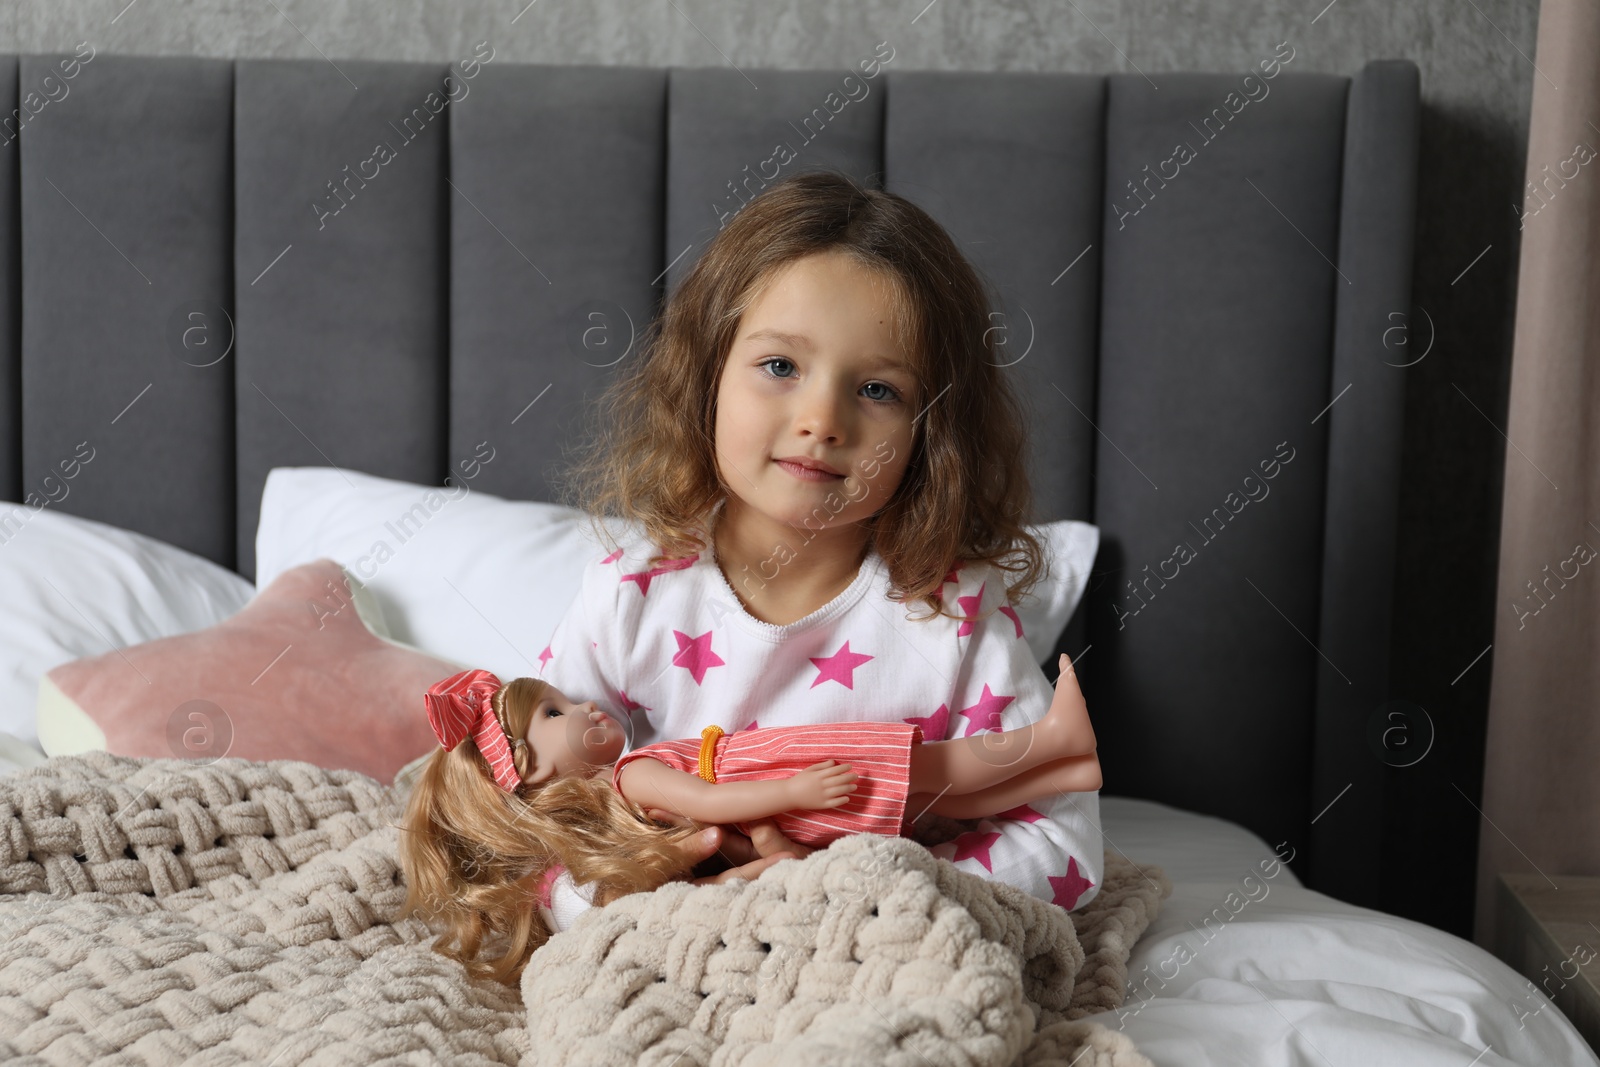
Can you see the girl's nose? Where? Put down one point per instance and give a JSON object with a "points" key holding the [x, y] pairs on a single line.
{"points": [[820, 414]]}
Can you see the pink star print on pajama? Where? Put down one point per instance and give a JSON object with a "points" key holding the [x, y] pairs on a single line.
{"points": [[669, 650]]}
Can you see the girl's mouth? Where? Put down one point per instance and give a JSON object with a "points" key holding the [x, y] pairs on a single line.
{"points": [[807, 474]]}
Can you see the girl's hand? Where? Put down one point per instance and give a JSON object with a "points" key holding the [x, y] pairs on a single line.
{"points": [[769, 841], [749, 872], [822, 785], [719, 846], [721, 843]]}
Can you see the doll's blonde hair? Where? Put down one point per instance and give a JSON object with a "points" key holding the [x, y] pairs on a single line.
{"points": [[965, 493], [474, 854]]}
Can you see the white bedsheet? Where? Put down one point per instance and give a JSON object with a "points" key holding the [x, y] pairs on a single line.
{"points": [[1283, 975]]}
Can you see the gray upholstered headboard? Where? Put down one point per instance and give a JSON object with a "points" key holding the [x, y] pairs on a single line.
{"points": [[210, 268]]}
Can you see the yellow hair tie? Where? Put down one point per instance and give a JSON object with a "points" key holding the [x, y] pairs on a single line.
{"points": [[708, 752]]}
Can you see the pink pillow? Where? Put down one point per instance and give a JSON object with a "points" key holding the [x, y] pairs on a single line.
{"points": [[294, 675]]}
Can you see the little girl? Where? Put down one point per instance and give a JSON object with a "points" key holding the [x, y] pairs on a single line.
{"points": [[819, 464], [545, 758]]}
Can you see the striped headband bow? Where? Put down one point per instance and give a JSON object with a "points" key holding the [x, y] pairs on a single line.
{"points": [[463, 704]]}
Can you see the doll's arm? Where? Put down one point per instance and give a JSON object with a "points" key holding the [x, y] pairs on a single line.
{"points": [[652, 784]]}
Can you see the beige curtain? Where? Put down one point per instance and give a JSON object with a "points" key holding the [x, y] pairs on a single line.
{"points": [[1541, 783]]}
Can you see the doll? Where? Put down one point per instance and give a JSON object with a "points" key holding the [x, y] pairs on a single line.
{"points": [[547, 785]]}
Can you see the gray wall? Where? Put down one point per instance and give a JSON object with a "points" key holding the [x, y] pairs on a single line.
{"points": [[1476, 64]]}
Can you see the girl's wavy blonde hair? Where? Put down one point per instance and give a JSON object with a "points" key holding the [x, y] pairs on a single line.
{"points": [[965, 495], [474, 854]]}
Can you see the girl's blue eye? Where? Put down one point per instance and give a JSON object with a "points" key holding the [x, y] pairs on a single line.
{"points": [[892, 397], [551, 713]]}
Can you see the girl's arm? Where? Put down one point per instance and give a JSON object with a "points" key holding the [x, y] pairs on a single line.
{"points": [[652, 784], [1051, 848]]}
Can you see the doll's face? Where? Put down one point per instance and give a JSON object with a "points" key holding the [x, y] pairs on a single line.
{"points": [[568, 738], [815, 372]]}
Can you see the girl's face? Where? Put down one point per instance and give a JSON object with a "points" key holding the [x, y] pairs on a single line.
{"points": [[814, 374], [568, 738]]}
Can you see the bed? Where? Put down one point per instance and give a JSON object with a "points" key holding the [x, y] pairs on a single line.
{"points": [[1210, 342], [303, 959], [1283, 975]]}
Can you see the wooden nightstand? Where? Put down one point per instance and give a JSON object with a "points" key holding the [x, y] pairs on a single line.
{"points": [[1551, 935]]}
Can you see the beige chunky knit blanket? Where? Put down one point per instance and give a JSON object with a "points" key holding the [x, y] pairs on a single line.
{"points": [[159, 912]]}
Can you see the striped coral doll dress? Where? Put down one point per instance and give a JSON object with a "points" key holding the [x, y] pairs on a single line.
{"points": [[878, 752]]}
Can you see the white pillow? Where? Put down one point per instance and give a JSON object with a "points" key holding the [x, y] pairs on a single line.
{"points": [[456, 572], [72, 587], [478, 579], [1070, 548]]}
